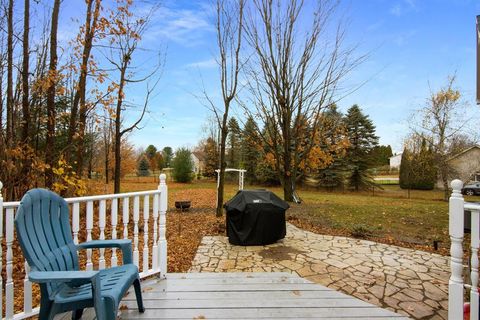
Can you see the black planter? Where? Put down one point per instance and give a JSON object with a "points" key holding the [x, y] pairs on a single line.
{"points": [[183, 205]]}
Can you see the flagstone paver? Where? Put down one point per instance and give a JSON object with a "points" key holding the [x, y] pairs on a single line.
{"points": [[409, 282]]}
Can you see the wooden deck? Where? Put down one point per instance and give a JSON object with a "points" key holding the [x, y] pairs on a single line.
{"points": [[244, 296]]}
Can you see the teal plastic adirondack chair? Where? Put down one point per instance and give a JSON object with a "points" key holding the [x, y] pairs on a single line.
{"points": [[43, 230]]}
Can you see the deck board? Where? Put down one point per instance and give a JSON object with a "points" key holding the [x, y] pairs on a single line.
{"points": [[244, 296]]}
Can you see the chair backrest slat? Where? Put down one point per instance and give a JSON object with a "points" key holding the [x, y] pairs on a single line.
{"points": [[43, 228]]}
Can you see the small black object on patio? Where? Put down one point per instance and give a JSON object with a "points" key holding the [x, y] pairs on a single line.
{"points": [[255, 217]]}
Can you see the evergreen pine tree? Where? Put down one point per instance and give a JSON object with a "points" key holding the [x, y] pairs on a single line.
{"points": [[361, 133], [211, 158], [182, 165], [381, 155], [251, 149], [234, 143], [405, 175], [334, 175], [265, 170], [423, 168], [167, 154], [142, 169], [151, 154]]}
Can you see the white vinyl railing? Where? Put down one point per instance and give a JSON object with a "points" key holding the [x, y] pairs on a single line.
{"points": [[457, 283], [93, 217]]}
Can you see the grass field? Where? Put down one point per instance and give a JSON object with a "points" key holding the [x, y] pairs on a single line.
{"points": [[392, 215]]}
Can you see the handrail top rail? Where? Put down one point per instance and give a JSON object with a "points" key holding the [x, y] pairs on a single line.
{"points": [[13, 204], [472, 206]]}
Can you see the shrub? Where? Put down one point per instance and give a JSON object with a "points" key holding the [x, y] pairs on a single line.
{"points": [[361, 231], [142, 169], [182, 165]]}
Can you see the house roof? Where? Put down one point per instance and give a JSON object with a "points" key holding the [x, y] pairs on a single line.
{"points": [[200, 155], [463, 152]]}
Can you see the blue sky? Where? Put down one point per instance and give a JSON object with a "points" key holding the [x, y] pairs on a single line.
{"points": [[413, 46]]}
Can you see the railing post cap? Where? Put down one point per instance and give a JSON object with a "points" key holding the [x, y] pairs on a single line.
{"points": [[163, 177], [457, 185]]}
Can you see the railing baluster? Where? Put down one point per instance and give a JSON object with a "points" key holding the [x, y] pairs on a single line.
{"points": [[162, 240], [136, 217], [76, 221], [455, 285], [146, 215], [155, 233], [126, 217], [89, 233], [9, 297], [101, 224], [114, 218], [475, 241], [27, 291]]}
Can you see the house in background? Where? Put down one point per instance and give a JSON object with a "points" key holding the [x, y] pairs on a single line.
{"points": [[198, 158], [395, 161], [465, 166]]}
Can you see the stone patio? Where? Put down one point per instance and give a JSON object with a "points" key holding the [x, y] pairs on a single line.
{"points": [[406, 281]]}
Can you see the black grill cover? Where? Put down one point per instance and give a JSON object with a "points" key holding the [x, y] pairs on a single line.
{"points": [[255, 217]]}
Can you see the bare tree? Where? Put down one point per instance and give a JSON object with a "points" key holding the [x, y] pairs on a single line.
{"points": [[441, 124], [294, 75], [127, 31], [229, 27], [52, 81]]}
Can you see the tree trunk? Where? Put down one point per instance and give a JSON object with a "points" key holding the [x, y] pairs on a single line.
{"points": [[118, 124], [446, 190], [80, 94], [288, 186], [9, 135], [288, 177], [50, 143], [106, 143], [25, 70], [223, 165]]}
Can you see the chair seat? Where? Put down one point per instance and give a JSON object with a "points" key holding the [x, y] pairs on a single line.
{"points": [[115, 282]]}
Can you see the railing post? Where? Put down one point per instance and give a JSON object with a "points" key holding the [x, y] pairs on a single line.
{"points": [[474, 237], [156, 200], [1, 253], [455, 284], [162, 240]]}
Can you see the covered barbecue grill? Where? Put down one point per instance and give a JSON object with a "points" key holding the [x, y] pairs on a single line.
{"points": [[255, 217]]}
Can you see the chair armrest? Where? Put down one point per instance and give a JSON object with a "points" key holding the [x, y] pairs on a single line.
{"points": [[124, 244], [61, 276]]}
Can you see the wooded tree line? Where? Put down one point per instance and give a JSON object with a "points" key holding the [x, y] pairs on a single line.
{"points": [[62, 104], [343, 154], [151, 160]]}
